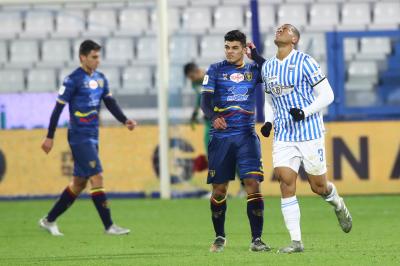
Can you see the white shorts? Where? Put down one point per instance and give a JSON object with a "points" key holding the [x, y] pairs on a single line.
{"points": [[310, 154]]}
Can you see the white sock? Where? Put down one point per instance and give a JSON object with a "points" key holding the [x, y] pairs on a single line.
{"points": [[291, 215], [333, 198]]}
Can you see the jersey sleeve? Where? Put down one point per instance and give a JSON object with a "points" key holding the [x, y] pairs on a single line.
{"points": [[106, 88], [66, 90], [312, 71], [209, 80]]}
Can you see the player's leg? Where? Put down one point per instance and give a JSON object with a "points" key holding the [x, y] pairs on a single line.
{"points": [[315, 167], [251, 174], [218, 210], [221, 171], [65, 200], [286, 160], [99, 198]]}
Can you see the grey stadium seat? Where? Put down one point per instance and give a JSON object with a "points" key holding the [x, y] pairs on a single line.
{"points": [[355, 16], [119, 50], [69, 23], [24, 52], [227, 18], [55, 52], [41, 80], [386, 15], [38, 24], [136, 80], [101, 22], [133, 22], [329, 13], [11, 24], [183, 48], [295, 14], [196, 19], [12, 80]]}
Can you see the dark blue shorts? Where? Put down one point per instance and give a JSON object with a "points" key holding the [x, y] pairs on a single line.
{"points": [[86, 159], [228, 153]]}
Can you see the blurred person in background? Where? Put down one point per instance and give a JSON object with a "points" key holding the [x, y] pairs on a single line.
{"points": [[83, 90]]}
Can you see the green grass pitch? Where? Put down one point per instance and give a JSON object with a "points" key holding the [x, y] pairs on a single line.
{"points": [[179, 232]]}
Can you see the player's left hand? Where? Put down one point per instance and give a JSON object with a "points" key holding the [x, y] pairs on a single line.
{"points": [[130, 124], [297, 114]]}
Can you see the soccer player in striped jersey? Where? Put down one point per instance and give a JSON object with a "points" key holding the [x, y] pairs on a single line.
{"points": [[83, 90], [228, 101], [296, 92]]}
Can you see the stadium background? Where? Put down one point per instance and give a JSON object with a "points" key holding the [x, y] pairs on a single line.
{"points": [[357, 43]]}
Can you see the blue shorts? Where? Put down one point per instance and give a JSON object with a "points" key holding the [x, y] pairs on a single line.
{"points": [[228, 153], [86, 159]]}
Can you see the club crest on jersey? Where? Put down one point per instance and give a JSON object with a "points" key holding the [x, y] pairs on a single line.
{"points": [[291, 67], [248, 76], [224, 76], [211, 173], [92, 164], [236, 77], [100, 82], [239, 94], [93, 84]]}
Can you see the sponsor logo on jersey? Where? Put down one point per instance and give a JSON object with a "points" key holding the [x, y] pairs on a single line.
{"points": [[279, 90], [248, 76], [93, 84], [239, 94], [236, 77]]}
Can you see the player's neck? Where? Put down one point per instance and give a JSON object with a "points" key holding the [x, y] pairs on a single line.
{"points": [[283, 51], [89, 71], [239, 63]]}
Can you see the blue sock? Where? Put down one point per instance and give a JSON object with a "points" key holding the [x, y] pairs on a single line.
{"points": [[65, 200], [100, 201], [218, 210], [255, 212]]}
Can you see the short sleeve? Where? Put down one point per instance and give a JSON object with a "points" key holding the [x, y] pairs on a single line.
{"points": [[66, 90], [312, 71], [209, 80]]}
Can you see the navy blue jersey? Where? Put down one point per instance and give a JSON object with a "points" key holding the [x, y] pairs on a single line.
{"points": [[83, 93], [233, 89]]}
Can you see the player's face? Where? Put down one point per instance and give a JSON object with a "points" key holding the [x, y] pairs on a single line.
{"points": [[196, 75], [234, 51], [92, 60], [284, 35]]}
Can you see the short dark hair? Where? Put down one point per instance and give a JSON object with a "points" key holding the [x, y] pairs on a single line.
{"points": [[189, 67], [236, 35], [295, 31], [87, 46]]}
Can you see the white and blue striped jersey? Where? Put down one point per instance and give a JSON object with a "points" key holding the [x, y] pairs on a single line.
{"points": [[290, 82]]}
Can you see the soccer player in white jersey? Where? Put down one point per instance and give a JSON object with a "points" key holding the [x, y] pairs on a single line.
{"points": [[296, 92]]}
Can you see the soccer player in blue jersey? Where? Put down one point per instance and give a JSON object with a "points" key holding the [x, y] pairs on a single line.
{"points": [[228, 101], [296, 92], [83, 90]]}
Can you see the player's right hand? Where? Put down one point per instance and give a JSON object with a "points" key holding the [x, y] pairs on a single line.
{"points": [[250, 46], [266, 129], [219, 123], [47, 145]]}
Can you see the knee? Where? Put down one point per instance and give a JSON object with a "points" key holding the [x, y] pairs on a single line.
{"points": [[320, 188], [78, 186], [219, 193], [96, 181], [252, 186]]}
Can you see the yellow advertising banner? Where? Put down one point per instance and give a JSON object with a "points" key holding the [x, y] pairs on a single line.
{"points": [[363, 158]]}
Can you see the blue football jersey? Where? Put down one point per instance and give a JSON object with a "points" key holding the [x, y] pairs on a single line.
{"points": [[233, 89], [83, 93]]}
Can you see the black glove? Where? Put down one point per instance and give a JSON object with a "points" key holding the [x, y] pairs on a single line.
{"points": [[193, 118], [266, 129], [297, 114]]}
